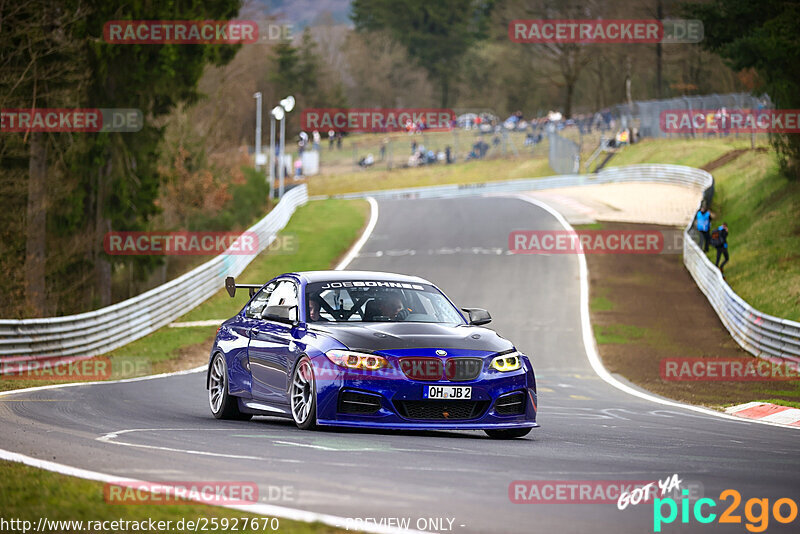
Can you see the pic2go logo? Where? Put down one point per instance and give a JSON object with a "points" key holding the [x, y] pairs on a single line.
{"points": [[757, 521]]}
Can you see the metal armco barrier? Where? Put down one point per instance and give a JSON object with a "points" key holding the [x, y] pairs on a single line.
{"points": [[73, 337], [760, 334]]}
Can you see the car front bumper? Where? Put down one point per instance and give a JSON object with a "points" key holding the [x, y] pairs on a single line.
{"points": [[394, 392]]}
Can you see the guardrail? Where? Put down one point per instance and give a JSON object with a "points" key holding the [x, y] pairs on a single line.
{"points": [[73, 337], [760, 334]]}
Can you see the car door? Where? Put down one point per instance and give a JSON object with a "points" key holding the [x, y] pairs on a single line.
{"points": [[268, 350]]}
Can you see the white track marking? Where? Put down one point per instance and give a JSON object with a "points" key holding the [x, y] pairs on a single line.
{"points": [[269, 510], [356, 248], [111, 437], [591, 347], [740, 407]]}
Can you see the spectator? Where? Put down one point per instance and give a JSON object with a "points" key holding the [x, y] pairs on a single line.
{"points": [[703, 224], [383, 148], [298, 168], [338, 140], [331, 136], [448, 154], [366, 161], [719, 240], [317, 138]]}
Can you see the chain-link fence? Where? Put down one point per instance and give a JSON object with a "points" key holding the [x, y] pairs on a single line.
{"points": [[564, 155], [646, 115]]}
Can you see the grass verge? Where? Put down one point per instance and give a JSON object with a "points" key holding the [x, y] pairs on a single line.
{"points": [[691, 152], [323, 231], [29, 494], [762, 209], [457, 173]]}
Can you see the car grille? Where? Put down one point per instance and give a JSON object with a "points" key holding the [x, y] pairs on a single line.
{"points": [[510, 404], [422, 368], [442, 410], [433, 369], [353, 402], [461, 369]]}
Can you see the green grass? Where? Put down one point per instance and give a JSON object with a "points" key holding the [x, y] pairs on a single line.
{"points": [[457, 173], [341, 178], [691, 152], [619, 334], [762, 210], [323, 231], [597, 304], [29, 494]]}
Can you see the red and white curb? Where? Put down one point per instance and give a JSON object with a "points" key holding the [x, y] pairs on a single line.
{"points": [[764, 411]]}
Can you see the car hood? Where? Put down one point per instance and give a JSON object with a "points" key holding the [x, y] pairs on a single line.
{"points": [[389, 335]]}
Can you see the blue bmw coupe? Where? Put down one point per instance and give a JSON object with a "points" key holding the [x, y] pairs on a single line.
{"points": [[367, 349]]}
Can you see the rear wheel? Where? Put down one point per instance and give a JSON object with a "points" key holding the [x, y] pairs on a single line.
{"points": [[511, 433], [303, 395], [223, 405]]}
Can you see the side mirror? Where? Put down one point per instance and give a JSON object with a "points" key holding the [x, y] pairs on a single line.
{"points": [[281, 314], [478, 316]]}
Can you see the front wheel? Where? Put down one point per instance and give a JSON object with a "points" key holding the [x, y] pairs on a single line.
{"points": [[223, 405], [511, 433], [303, 395]]}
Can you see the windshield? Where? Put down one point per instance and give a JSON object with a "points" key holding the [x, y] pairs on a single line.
{"points": [[378, 301]]}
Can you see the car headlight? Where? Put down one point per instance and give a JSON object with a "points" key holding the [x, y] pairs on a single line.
{"points": [[357, 360], [507, 362]]}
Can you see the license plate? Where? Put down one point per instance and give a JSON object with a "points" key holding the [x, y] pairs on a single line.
{"points": [[447, 392]]}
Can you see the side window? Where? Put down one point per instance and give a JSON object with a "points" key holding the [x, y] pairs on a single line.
{"points": [[259, 302], [285, 294]]}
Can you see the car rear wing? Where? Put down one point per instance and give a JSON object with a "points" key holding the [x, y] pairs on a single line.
{"points": [[231, 286]]}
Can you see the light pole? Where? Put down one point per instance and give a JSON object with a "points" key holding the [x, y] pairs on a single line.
{"points": [[257, 96], [287, 104], [275, 114]]}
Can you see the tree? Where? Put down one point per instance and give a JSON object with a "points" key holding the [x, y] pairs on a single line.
{"points": [[154, 79], [71, 188], [762, 36], [436, 34], [39, 70]]}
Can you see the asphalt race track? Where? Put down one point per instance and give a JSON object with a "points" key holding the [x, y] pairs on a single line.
{"points": [[162, 429]]}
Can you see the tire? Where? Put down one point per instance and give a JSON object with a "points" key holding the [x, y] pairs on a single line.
{"points": [[223, 405], [303, 395], [511, 433]]}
